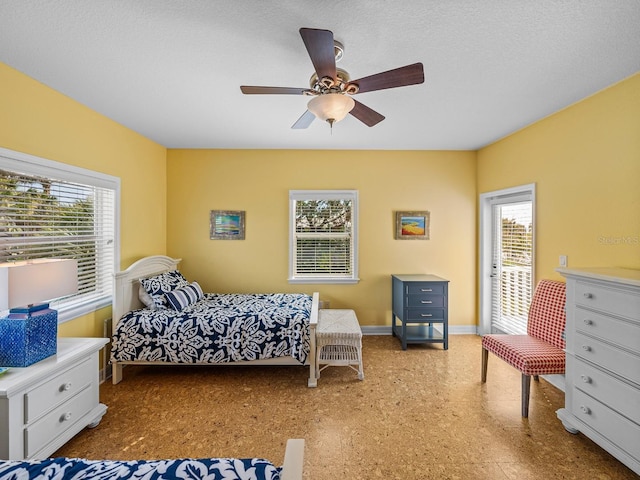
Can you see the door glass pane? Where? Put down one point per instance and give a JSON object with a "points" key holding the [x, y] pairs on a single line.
{"points": [[512, 282]]}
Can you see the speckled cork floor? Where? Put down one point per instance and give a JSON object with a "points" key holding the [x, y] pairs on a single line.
{"points": [[418, 414]]}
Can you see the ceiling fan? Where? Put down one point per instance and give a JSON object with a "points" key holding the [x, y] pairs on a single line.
{"points": [[332, 88]]}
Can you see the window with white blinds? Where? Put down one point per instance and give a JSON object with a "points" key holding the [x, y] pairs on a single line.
{"points": [[323, 236], [52, 210], [513, 254]]}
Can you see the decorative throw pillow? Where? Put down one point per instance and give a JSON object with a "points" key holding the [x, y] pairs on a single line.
{"points": [[146, 298], [159, 285], [185, 296]]}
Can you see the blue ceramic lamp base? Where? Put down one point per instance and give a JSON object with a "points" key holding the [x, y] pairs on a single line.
{"points": [[28, 335]]}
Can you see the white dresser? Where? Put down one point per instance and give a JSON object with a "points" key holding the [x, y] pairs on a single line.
{"points": [[602, 395], [42, 406]]}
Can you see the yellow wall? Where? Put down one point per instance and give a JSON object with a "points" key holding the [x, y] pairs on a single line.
{"points": [[258, 182], [37, 120], [585, 161]]}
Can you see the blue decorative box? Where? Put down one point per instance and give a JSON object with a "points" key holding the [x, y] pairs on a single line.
{"points": [[27, 338]]}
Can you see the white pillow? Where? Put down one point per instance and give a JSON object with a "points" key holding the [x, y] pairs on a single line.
{"points": [[146, 298]]}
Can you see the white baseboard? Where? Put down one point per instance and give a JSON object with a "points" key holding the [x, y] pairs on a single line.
{"points": [[453, 330], [555, 380]]}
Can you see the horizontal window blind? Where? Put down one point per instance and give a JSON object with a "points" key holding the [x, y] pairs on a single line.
{"points": [[323, 234], [43, 217]]}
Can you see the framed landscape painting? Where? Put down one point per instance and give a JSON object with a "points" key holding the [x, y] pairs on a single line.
{"points": [[412, 225], [227, 225]]}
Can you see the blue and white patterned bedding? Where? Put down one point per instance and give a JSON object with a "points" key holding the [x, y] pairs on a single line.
{"points": [[188, 469], [220, 328]]}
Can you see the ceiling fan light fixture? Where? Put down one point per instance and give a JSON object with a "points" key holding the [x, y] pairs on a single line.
{"points": [[331, 107]]}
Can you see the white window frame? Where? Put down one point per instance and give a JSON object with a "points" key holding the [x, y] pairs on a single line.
{"points": [[298, 195], [32, 165], [487, 201]]}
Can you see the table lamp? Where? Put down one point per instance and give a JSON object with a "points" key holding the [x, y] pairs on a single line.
{"points": [[29, 333]]}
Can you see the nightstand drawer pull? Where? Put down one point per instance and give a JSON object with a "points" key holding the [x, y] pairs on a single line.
{"points": [[426, 315], [65, 417], [588, 321], [65, 387], [426, 289], [586, 348], [426, 301], [585, 378], [588, 295], [585, 409]]}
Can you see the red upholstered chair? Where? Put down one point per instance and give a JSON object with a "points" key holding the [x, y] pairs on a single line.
{"points": [[541, 350]]}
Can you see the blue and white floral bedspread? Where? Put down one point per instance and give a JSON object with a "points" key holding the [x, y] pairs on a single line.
{"points": [[220, 328], [188, 469]]}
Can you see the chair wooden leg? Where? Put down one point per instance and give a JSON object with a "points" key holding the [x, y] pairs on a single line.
{"points": [[526, 387], [485, 360]]}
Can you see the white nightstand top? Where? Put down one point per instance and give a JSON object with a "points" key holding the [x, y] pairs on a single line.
{"points": [[69, 350]]}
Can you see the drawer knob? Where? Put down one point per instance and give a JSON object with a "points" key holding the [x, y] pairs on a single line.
{"points": [[585, 378], [65, 417], [588, 321], [426, 290], [585, 409], [426, 301], [65, 387], [588, 295], [586, 348], [426, 315]]}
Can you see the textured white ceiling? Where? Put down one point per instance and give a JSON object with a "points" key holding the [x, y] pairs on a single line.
{"points": [[171, 69]]}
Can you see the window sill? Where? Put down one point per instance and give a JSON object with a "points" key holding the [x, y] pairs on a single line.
{"points": [[320, 280], [71, 312]]}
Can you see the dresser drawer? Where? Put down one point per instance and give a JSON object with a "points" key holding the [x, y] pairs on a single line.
{"points": [[414, 288], [58, 420], [425, 315], [425, 301], [613, 426], [620, 396], [614, 359], [58, 389], [606, 299], [620, 332]]}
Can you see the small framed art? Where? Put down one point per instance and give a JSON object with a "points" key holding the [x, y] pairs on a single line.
{"points": [[226, 225], [412, 225]]}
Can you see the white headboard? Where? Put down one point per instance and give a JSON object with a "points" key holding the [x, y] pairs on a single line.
{"points": [[126, 284]]}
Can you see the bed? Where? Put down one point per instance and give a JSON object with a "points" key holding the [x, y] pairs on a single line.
{"points": [[187, 468], [180, 325]]}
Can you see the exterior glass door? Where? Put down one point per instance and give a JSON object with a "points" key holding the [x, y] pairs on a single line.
{"points": [[507, 250], [511, 276]]}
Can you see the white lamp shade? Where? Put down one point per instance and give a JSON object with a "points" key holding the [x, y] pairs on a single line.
{"points": [[331, 106], [33, 281]]}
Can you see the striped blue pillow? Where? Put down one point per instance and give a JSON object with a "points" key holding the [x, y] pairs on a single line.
{"points": [[185, 296]]}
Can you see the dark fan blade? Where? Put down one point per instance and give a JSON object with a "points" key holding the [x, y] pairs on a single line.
{"points": [[272, 90], [398, 77], [319, 45], [366, 115], [304, 121]]}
